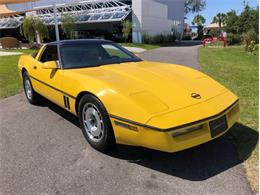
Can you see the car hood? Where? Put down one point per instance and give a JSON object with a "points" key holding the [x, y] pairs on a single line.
{"points": [[157, 87]]}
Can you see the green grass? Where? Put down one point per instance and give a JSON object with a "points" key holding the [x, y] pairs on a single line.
{"points": [[238, 71], [26, 51], [216, 44], [143, 46], [10, 82]]}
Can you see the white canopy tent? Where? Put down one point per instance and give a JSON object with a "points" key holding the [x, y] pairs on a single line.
{"points": [[91, 11]]}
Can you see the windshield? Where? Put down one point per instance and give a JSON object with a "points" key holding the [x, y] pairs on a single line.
{"points": [[94, 54]]}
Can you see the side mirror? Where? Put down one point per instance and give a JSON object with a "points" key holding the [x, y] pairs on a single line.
{"points": [[50, 65]]}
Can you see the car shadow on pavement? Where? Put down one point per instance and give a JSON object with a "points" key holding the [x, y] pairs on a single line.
{"points": [[195, 164]]}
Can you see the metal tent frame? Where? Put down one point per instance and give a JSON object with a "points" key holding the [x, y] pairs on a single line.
{"points": [[90, 11], [14, 21]]}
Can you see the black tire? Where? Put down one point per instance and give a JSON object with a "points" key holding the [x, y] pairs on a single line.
{"points": [[107, 138], [34, 98]]}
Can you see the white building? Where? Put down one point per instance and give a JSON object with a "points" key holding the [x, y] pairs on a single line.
{"points": [[157, 17], [102, 18]]}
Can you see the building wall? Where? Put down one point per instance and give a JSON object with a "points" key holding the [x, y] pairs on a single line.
{"points": [[137, 21], [157, 17]]}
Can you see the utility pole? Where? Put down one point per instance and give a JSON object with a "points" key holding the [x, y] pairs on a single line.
{"points": [[56, 21]]}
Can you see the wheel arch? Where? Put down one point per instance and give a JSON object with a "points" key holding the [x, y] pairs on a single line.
{"points": [[80, 95]]}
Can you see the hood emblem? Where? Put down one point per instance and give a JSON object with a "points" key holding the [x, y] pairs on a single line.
{"points": [[195, 96]]}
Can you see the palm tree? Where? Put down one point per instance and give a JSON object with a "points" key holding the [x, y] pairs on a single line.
{"points": [[220, 19], [33, 29], [194, 6], [67, 25], [199, 20]]}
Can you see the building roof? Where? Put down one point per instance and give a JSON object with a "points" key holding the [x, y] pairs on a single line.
{"points": [[213, 25], [5, 10], [14, 1]]}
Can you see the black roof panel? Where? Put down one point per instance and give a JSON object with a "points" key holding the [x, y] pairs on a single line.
{"points": [[79, 41]]}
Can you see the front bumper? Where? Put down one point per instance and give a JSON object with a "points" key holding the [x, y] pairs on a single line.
{"points": [[176, 139]]}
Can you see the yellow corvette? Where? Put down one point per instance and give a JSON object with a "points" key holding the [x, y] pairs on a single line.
{"points": [[119, 98]]}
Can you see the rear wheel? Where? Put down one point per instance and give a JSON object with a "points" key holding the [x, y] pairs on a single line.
{"points": [[31, 95], [95, 123]]}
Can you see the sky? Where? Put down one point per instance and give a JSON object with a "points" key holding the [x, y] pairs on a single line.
{"points": [[215, 6]]}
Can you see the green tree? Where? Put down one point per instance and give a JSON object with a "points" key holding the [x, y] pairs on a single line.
{"points": [[33, 29], [248, 20], [67, 25], [127, 26], [220, 19], [199, 20], [231, 22], [194, 6]]}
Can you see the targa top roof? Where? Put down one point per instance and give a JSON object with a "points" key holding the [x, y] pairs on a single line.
{"points": [[80, 41]]}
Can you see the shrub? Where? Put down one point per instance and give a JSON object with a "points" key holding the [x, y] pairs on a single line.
{"points": [[215, 32], [252, 47], [171, 38], [250, 38], [233, 39], [147, 38], [159, 39], [186, 37]]}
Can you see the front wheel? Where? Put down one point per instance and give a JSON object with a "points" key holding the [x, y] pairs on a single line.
{"points": [[95, 123], [31, 95]]}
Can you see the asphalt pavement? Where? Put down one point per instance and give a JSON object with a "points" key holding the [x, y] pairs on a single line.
{"points": [[183, 53]]}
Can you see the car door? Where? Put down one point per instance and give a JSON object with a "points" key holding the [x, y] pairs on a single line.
{"points": [[47, 82]]}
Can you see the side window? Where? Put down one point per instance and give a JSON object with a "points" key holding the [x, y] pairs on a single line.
{"points": [[35, 54], [49, 54]]}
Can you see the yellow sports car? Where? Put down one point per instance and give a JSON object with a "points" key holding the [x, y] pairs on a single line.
{"points": [[120, 98]]}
